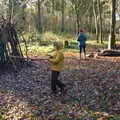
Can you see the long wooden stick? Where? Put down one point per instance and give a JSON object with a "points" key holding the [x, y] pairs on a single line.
{"points": [[26, 52], [19, 57], [10, 57]]}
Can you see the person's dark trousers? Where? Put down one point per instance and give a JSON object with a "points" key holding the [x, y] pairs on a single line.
{"points": [[55, 82], [82, 47]]}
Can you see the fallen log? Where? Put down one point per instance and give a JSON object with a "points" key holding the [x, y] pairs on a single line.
{"points": [[109, 53]]}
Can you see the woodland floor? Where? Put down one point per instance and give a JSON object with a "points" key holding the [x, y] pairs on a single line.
{"points": [[93, 91]]}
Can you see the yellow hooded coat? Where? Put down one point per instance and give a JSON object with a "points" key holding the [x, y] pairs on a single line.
{"points": [[57, 60]]}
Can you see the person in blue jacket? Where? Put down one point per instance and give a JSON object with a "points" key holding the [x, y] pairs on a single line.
{"points": [[82, 43]]}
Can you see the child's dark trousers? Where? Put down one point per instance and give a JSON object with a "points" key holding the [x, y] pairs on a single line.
{"points": [[55, 82]]}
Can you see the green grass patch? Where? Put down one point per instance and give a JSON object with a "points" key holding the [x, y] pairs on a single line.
{"points": [[41, 49], [72, 47], [47, 39]]}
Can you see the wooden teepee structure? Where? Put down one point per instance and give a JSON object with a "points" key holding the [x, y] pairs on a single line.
{"points": [[9, 44]]}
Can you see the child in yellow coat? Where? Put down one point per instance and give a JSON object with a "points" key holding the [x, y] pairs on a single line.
{"points": [[57, 63]]}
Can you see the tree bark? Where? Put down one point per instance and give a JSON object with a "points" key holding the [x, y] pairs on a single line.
{"points": [[39, 17], [62, 25], [96, 22], [113, 23], [78, 21], [53, 6], [100, 15], [10, 12]]}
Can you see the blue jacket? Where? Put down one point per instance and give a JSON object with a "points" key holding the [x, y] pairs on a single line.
{"points": [[82, 39]]}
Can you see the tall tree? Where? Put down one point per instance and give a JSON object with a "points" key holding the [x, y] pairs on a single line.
{"points": [[96, 20], [112, 41], [39, 16], [80, 7], [53, 6], [11, 10], [62, 24], [100, 19]]}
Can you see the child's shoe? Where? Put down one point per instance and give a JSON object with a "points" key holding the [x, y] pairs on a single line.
{"points": [[63, 91]]}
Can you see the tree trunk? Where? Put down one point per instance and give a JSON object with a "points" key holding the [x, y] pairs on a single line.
{"points": [[77, 12], [53, 5], [98, 29], [96, 22], [113, 23], [78, 22], [10, 12], [53, 25], [39, 17], [62, 25], [100, 14]]}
